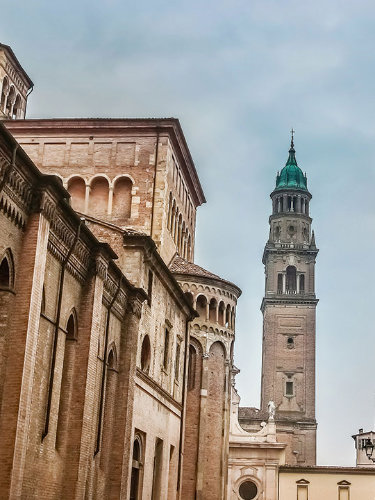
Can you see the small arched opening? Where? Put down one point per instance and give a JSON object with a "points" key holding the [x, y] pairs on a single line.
{"points": [[4, 93], [122, 198], [5, 280], [192, 367], [201, 306], [227, 317], [137, 464], [17, 107], [221, 313], [291, 279], [77, 191], [10, 100], [99, 193], [213, 310], [146, 354]]}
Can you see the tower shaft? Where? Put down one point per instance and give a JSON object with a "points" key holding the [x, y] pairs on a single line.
{"points": [[288, 307]]}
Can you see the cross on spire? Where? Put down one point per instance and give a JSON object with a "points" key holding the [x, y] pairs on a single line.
{"points": [[292, 141]]}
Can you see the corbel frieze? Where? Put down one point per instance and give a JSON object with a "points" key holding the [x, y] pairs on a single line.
{"points": [[12, 211]]}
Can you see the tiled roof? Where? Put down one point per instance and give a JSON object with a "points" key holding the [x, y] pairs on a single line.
{"points": [[182, 266]]}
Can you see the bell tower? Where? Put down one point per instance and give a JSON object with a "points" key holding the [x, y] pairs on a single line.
{"points": [[288, 307]]}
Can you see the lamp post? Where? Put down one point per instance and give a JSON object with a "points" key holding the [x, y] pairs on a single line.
{"points": [[368, 446]]}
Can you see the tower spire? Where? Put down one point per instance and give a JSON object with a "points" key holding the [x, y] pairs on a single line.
{"points": [[292, 152]]}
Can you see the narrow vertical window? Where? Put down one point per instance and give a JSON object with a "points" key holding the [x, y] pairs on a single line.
{"points": [[177, 362], [135, 485], [4, 274], [149, 287], [166, 348], [279, 283], [192, 367], [158, 464], [66, 381]]}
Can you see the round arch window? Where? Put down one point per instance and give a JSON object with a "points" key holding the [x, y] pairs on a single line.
{"points": [[146, 354], [248, 490]]}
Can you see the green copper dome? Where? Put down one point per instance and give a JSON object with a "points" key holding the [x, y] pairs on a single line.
{"points": [[291, 176]]}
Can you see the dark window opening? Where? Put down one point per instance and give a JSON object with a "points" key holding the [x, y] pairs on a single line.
{"points": [[4, 273], [302, 283], [289, 388], [146, 354], [192, 367], [177, 362], [166, 349], [149, 287], [248, 490], [291, 278], [290, 342], [279, 283]]}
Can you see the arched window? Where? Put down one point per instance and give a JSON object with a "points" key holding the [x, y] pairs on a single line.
{"points": [[192, 367], [109, 408], [201, 306], [98, 200], [227, 317], [4, 92], [146, 354], [77, 191], [291, 278], [212, 311], [10, 100], [66, 380], [17, 107], [137, 465], [122, 198], [5, 281], [221, 313]]}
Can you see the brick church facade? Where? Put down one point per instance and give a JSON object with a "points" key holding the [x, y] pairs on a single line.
{"points": [[116, 349]]}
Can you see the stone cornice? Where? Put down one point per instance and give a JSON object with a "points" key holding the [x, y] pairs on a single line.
{"points": [[289, 299]]}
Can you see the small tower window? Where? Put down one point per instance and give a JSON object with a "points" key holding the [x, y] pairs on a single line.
{"points": [[289, 388], [291, 278]]}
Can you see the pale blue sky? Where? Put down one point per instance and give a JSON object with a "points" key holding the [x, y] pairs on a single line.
{"points": [[239, 75]]}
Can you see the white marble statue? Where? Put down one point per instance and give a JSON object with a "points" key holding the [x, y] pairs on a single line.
{"points": [[271, 410]]}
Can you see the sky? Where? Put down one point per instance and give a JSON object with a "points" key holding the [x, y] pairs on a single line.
{"points": [[239, 74]]}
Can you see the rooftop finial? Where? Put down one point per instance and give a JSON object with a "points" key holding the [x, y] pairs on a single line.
{"points": [[292, 140]]}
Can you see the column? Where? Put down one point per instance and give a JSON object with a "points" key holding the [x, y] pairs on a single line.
{"points": [[278, 204], [298, 277], [207, 311], [299, 203], [87, 196], [110, 200], [285, 203], [284, 283]]}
